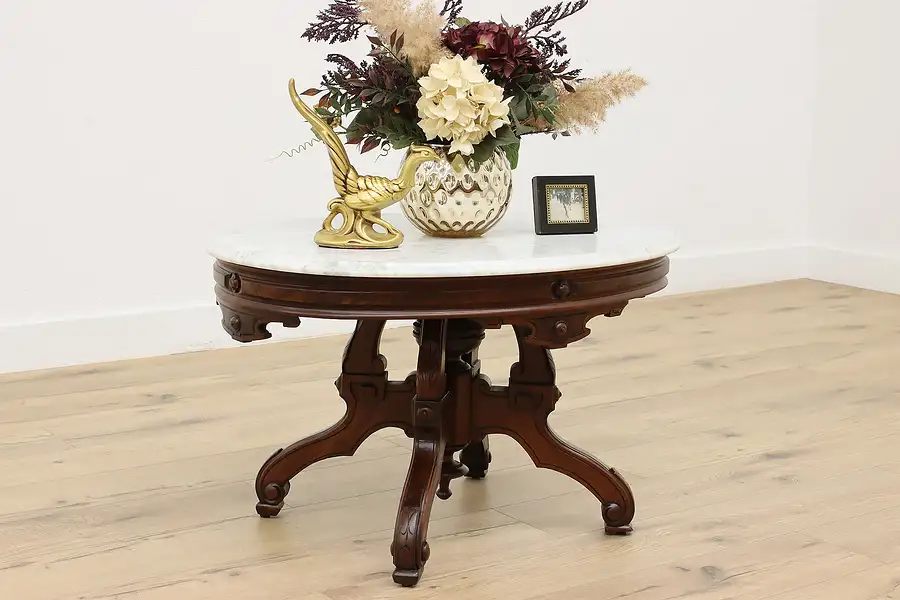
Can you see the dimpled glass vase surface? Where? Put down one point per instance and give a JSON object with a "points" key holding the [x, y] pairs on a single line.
{"points": [[462, 201]]}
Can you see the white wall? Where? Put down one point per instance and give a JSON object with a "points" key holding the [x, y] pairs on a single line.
{"points": [[134, 131], [856, 164]]}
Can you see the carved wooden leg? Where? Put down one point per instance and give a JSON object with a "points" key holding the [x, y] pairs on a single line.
{"points": [[521, 411], [476, 456], [373, 403], [410, 547]]}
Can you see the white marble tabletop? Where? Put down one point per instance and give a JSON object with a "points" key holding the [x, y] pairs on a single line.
{"points": [[511, 248]]}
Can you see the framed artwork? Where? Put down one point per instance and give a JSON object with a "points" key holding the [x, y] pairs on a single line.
{"points": [[564, 205]]}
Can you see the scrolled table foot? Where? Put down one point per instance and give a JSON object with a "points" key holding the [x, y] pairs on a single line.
{"points": [[617, 515], [476, 456], [407, 578], [272, 504], [617, 518], [410, 576], [271, 494], [268, 511]]}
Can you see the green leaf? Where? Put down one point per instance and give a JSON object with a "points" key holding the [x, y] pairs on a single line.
{"points": [[485, 150], [506, 136], [462, 22], [523, 129], [550, 94], [512, 153], [519, 107], [365, 117], [549, 115], [502, 20]]}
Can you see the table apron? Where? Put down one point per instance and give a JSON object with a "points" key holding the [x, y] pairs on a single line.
{"points": [[250, 291]]}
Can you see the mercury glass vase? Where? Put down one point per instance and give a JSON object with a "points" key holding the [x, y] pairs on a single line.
{"points": [[464, 200]]}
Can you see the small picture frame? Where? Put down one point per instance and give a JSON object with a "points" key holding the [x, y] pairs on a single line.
{"points": [[564, 205]]}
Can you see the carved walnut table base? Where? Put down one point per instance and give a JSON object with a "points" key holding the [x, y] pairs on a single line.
{"points": [[546, 288], [447, 406]]}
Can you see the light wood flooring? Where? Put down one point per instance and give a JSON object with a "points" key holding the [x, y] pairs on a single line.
{"points": [[758, 427]]}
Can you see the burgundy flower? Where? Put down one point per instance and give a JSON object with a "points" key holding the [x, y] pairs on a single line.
{"points": [[500, 47]]}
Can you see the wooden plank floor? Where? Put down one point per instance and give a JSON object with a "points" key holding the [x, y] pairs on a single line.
{"points": [[759, 428]]}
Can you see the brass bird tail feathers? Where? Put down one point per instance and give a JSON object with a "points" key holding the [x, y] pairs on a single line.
{"points": [[361, 198], [344, 174]]}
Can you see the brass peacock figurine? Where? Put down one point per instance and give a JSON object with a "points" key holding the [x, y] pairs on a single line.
{"points": [[361, 197]]}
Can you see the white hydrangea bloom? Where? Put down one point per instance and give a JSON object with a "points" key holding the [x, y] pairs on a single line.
{"points": [[460, 105]]}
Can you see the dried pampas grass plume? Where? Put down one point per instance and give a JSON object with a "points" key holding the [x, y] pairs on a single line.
{"points": [[421, 28], [586, 107]]}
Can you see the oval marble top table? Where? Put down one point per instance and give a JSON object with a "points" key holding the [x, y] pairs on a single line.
{"points": [[511, 248], [547, 289]]}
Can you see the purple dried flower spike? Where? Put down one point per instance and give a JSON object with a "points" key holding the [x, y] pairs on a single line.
{"points": [[338, 23]]}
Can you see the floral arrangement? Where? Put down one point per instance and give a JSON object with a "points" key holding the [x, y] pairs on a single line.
{"points": [[433, 76]]}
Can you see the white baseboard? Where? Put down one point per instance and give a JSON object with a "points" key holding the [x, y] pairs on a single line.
{"points": [[117, 337], [120, 337], [689, 274], [843, 267]]}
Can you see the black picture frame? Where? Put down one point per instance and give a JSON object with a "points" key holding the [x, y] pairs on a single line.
{"points": [[552, 217]]}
